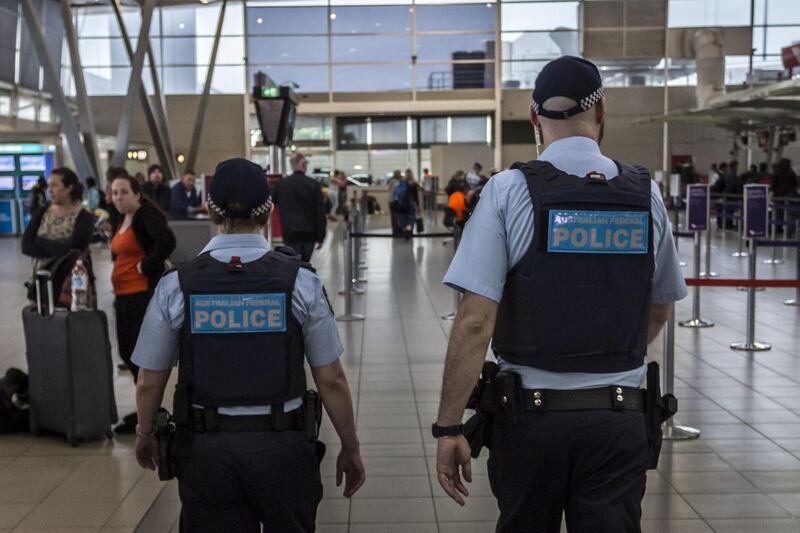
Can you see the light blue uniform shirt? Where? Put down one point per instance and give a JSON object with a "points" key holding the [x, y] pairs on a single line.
{"points": [[500, 232], [157, 346]]}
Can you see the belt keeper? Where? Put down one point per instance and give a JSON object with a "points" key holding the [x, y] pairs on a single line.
{"points": [[210, 420], [280, 420], [617, 398]]}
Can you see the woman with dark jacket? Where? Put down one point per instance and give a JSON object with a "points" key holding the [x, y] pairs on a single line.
{"points": [[57, 229], [141, 244]]}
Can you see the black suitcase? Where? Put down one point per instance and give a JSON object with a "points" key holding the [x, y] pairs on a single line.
{"points": [[71, 385]]}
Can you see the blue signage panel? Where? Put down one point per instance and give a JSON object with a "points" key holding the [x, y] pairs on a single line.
{"points": [[8, 217], [598, 232], [756, 221], [698, 205], [7, 163], [26, 148], [24, 214], [238, 313]]}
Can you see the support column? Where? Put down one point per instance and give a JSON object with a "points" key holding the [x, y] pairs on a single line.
{"points": [[134, 85], [85, 120], [68, 125], [197, 132]]}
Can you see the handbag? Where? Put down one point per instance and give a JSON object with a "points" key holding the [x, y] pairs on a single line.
{"points": [[420, 225]]}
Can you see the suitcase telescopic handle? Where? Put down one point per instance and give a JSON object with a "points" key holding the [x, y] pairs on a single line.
{"points": [[46, 277]]}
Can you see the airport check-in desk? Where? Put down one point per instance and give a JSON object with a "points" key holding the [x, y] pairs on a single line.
{"points": [[191, 236]]}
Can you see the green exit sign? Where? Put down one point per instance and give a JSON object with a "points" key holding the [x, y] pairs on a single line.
{"points": [[270, 92]]}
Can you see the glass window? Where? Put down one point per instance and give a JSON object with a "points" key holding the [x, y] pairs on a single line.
{"points": [[540, 45], [452, 17], [311, 79], [111, 80], [371, 19], [776, 12], [351, 132], [26, 108], [5, 104], [383, 48], [309, 128], [777, 37], [699, 13], [288, 49], [521, 74], [442, 47], [207, 17], [433, 130], [470, 129], [287, 20], [182, 80], [539, 16], [438, 77], [230, 52], [101, 22], [389, 131], [368, 78]]}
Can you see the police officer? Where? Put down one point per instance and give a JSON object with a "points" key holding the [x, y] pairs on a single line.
{"points": [[568, 264], [239, 320]]}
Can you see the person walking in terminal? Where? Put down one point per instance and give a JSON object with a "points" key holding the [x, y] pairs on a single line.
{"points": [[57, 229], [562, 317], [141, 244], [239, 320], [155, 188], [185, 199], [301, 208]]}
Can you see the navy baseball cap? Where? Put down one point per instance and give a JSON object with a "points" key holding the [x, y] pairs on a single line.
{"points": [[239, 189], [570, 77]]}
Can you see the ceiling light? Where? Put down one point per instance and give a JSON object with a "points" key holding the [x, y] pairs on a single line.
{"points": [[259, 20], [333, 16]]}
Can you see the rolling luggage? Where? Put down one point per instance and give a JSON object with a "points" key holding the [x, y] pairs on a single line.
{"points": [[70, 371]]}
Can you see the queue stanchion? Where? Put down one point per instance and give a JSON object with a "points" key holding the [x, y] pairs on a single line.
{"points": [[708, 273], [773, 236], [755, 223], [740, 231], [348, 290], [456, 294], [796, 300], [698, 214], [672, 430], [696, 321]]}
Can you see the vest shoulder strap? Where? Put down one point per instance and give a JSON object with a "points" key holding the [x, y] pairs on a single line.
{"points": [[537, 173], [640, 176]]}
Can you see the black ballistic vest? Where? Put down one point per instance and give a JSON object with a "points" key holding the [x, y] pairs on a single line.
{"points": [[577, 309], [240, 342]]}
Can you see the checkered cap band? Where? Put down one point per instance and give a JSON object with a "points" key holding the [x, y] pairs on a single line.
{"points": [[263, 208], [592, 99]]}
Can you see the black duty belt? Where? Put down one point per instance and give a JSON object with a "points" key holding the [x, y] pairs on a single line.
{"points": [[209, 420], [614, 398]]}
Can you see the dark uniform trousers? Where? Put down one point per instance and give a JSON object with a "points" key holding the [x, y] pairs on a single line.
{"points": [[238, 481], [589, 465]]}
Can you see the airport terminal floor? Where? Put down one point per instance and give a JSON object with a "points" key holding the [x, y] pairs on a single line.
{"points": [[741, 475]]}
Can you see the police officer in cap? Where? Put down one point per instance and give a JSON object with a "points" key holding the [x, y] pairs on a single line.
{"points": [[239, 321], [569, 267]]}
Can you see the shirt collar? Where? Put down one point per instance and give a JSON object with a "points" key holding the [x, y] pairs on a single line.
{"points": [[577, 143], [237, 240]]}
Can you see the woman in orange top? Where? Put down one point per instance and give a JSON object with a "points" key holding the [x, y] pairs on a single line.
{"points": [[458, 202], [142, 242]]}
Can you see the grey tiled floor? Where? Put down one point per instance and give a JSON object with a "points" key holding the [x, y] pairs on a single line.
{"points": [[743, 474]]}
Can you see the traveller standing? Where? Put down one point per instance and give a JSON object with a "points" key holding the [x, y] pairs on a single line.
{"points": [[141, 244], [301, 208], [245, 448], [561, 318], [155, 188]]}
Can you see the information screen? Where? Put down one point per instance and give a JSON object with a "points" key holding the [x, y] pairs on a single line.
{"points": [[7, 163], [6, 183], [28, 182], [28, 163]]}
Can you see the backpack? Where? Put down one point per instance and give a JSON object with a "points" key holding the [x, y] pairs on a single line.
{"points": [[399, 203], [14, 411]]}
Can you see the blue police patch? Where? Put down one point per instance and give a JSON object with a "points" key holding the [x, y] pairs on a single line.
{"points": [[598, 232], [238, 313]]}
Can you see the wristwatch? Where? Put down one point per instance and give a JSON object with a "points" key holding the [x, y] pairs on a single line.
{"points": [[446, 431]]}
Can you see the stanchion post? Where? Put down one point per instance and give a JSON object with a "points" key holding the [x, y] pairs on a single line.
{"points": [[750, 344], [348, 291], [696, 321], [773, 236], [708, 273], [796, 300], [456, 294], [672, 430], [740, 230]]}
